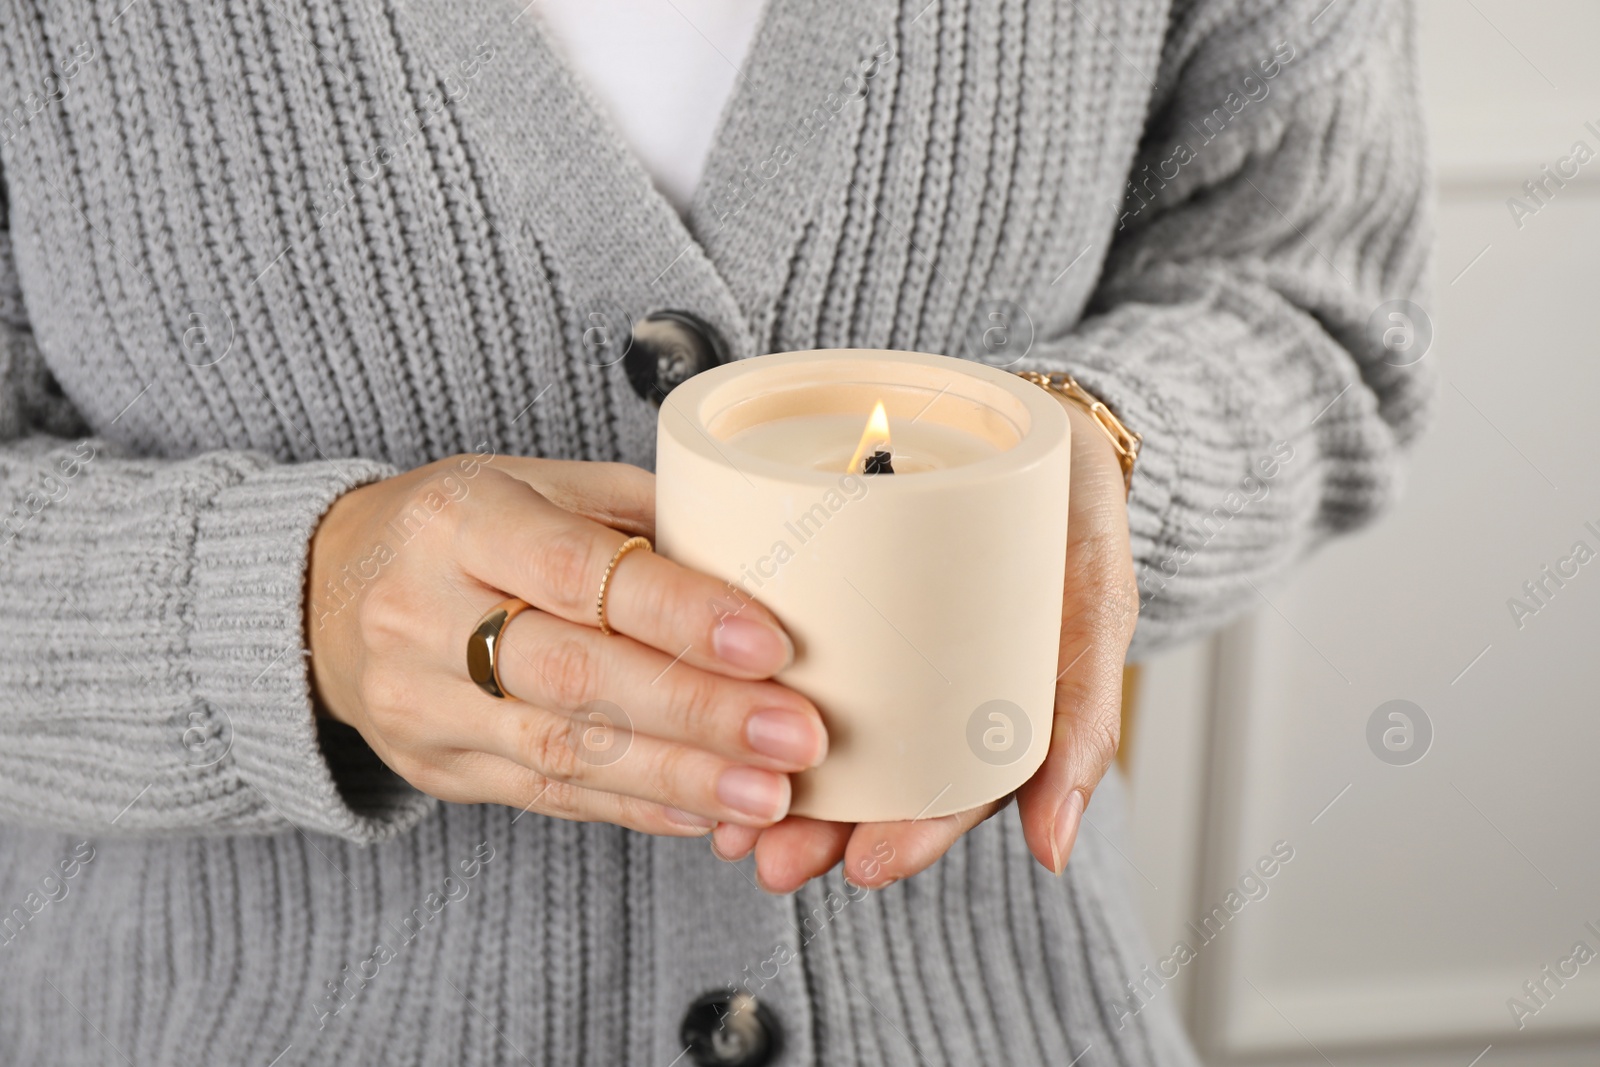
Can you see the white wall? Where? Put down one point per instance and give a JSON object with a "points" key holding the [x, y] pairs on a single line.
{"points": [[1423, 898]]}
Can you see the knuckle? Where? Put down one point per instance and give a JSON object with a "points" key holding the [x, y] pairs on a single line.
{"points": [[387, 614], [1089, 698], [1106, 734], [667, 601], [386, 694], [567, 668], [550, 796], [669, 777], [531, 791], [1093, 732], [696, 707], [1100, 738], [545, 744], [426, 511], [642, 815], [567, 569]]}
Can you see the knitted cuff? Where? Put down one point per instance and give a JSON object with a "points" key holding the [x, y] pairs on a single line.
{"points": [[251, 664]]}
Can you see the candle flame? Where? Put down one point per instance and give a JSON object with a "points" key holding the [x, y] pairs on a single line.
{"points": [[875, 438]]}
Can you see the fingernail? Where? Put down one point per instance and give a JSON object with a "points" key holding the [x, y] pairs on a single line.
{"points": [[788, 736], [864, 878], [734, 841], [765, 888], [1064, 831], [751, 645], [686, 818], [726, 857], [762, 795]]}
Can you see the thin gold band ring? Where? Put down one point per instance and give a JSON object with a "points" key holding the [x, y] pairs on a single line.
{"points": [[605, 582]]}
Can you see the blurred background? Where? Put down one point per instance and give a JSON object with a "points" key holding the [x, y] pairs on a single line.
{"points": [[1430, 755]]}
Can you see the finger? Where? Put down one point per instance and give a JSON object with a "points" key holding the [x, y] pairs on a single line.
{"points": [[519, 541], [796, 850], [555, 664], [1083, 741], [880, 854], [618, 495], [733, 842], [439, 722], [490, 779], [594, 751], [1100, 608]]}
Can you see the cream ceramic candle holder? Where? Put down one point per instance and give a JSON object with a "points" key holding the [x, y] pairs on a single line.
{"points": [[925, 606]]}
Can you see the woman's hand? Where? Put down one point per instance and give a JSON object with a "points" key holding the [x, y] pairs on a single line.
{"points": [[1099, 607], [669, 726]]}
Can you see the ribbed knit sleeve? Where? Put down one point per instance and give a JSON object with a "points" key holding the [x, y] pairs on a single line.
{"points": [[153, 677], [1278, 202]]}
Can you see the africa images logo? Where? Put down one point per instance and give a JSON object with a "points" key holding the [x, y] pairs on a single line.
{"points": [[998, 732]]}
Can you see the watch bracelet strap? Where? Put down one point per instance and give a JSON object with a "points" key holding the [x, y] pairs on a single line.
{"points": [[1126, 442]]}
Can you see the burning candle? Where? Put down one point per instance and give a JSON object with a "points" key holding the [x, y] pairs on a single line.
{"points": [[925, 607], [872, 455], [837, 442]]}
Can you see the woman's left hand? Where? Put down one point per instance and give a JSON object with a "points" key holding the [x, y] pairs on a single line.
{"points": [[1099, 607]]}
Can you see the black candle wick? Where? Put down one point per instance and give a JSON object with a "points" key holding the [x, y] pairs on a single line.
{"points": [[878, 463]]}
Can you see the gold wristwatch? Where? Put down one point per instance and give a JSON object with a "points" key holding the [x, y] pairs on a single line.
{"points": [[1124, 440]]}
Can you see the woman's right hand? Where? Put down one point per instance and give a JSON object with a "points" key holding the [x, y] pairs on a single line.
{"points": [[669, 726]]}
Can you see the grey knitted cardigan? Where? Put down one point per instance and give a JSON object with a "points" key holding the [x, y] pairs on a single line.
{"points": [[257, 254]]}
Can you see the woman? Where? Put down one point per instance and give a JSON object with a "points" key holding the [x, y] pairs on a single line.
{"points": [[291, 290]]}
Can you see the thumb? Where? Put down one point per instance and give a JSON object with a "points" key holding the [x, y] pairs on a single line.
{"points": [[1083, 742], [1100, 605]]}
